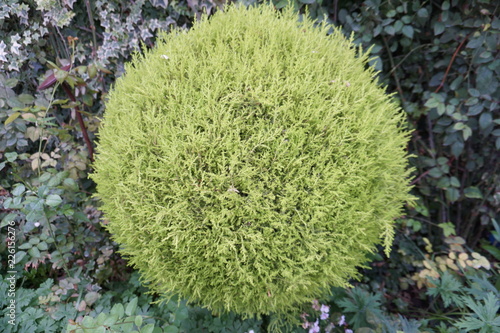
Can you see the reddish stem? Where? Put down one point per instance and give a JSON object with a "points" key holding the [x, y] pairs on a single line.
{"points": [[451, 63], [80, 121]]}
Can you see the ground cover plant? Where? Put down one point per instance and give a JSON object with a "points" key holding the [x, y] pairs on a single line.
{"points": [[441, 59]]}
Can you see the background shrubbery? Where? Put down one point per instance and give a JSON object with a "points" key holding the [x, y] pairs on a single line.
{"points": [[439, 57]]}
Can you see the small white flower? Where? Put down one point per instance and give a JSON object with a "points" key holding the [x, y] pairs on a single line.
{"points": [[164, 56], [342, 321], [348, 331], [315, 328], [251, 331], [37, 224], [324, 308]]}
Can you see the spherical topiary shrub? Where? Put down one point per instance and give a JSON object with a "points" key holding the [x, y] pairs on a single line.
{"points": [[251, 163]]}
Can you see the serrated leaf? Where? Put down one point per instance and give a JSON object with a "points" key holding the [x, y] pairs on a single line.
{"points": [[53, 200], [57, 178], [25, 246], [42, 246], [131, 307], [448, 228], [18, 190], [34, 252]]}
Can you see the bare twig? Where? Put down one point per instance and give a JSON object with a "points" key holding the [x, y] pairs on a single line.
{"points": [[451, 63]]}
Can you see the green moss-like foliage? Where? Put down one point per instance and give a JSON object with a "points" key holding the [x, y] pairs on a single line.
{"points": [[251, 163]]}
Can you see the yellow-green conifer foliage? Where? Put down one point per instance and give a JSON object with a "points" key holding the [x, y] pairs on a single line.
{"points": [[251, 163]]}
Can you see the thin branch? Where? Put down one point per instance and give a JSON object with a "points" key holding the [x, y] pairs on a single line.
{"points": [[396, 79], [451, 63]]}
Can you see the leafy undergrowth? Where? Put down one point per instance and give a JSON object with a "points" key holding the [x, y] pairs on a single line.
{"points": [[57, 63]]}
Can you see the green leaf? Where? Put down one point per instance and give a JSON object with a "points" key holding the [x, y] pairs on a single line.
{"points": [[474, 92], [131, 307], [448, 228], [12, 117], [398, 25], [171, 329], [60, 74], [53, 200], [485, 315], [138, 321], [26, 98], [390, 30], [11, 157], [447, 287], [438, 28], [34, 252], [391, 13], [435, 172], [452, 194], [112, 318], [473, 192], [408, 31], [466, 133], [454, 182], [149, 328], [485, 120], [57, 178], [43, 246], [19, 256], [25, 246], [18, 190], [422, 12], [8, 219]]}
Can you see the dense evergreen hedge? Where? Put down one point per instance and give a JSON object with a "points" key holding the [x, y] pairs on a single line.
{"points": [[251, 163]]}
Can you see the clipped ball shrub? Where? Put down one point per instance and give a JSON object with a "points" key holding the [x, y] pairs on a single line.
{"points": [[251, 163]]}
